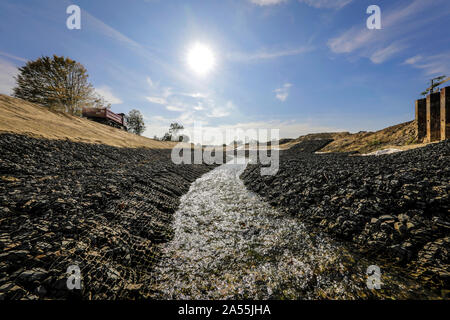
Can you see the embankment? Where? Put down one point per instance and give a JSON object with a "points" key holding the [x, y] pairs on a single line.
{"points": [[18, 116], [394, 208], [104, 209]]}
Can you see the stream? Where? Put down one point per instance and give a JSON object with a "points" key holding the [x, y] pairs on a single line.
{"points": [[230, 244]]}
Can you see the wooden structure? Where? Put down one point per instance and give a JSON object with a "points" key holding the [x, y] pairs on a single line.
{"points": [[433, 116]]}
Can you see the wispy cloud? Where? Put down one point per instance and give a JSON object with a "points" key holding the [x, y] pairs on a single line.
{"points": [[267, 2], [110, 32], [5, 54], [268, 54], [108, 95], [150, 82], [195, 95], [226, 133], [96, 25], [221, 111], [432, 65], [7, 73], [288, 128], [380, 45], [157, 100], [384, 54], [283, 92], [192, 107], [335, 4], [413, 60], [175, 108]]}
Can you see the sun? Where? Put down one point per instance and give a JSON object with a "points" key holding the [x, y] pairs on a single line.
{"points": [[201, 59]]}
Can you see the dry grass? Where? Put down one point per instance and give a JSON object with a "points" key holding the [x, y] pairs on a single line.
{"points": [[313, 136], [401, 136], [21, 117]]}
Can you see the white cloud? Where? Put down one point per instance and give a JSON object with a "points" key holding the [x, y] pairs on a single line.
{"points": [[98, 26], [326, 3], [5, 54], [174, 108], [157, 100], [187, 118], [199, 107], [283, 92], [413, 60], [159, 94], [7, 73], [313, 3], [150, 82], [109, 96], [383, 54], [109, 31], [432, 65], [350, 40], [380, 45], [288, 129], [226, 133], [195, 95], [220, 112], [158, 125], [265, 54], [192, 107], [267, 2], [360, 36]]}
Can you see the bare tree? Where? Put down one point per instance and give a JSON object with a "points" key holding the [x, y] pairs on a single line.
{"points": [[173, 135]]}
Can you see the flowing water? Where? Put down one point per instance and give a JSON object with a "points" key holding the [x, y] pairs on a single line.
{"points": [[229, 243]]}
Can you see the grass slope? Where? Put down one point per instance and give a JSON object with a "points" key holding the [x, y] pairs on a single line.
{"points": [[21, 117], [401, 136]]}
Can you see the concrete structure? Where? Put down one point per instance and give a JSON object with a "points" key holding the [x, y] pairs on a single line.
{"points": [[434, 117], [445, 113], [421, 119]]}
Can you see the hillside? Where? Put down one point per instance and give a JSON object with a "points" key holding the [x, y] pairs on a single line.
{"points": [[401, 136], [21, 117], [313, 136]]}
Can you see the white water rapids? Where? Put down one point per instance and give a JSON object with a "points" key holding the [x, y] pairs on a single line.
{"points": [[229, 243]]}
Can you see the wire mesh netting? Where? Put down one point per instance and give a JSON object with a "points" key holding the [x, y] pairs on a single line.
{"points": [[103, 209]]}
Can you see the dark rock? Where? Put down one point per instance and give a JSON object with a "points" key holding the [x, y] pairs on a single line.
{"points": [[394, 203], [102, 208], [32, 275], [14, 256]]}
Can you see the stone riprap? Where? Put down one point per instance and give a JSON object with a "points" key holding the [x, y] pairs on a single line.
{"points": [[104, 209], [393, 208]]}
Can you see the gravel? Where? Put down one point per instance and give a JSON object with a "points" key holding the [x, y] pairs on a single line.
{"points": [[394, 207]]}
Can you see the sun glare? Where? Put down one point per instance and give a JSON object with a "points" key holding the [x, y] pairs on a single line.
{"points": [[200, 59]]}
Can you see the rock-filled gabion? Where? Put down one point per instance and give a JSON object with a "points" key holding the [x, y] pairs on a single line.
{"points": [[394, 208], [104, 209]]}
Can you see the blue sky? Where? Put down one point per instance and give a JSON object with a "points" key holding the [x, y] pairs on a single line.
{"points": [[298, 65]]}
